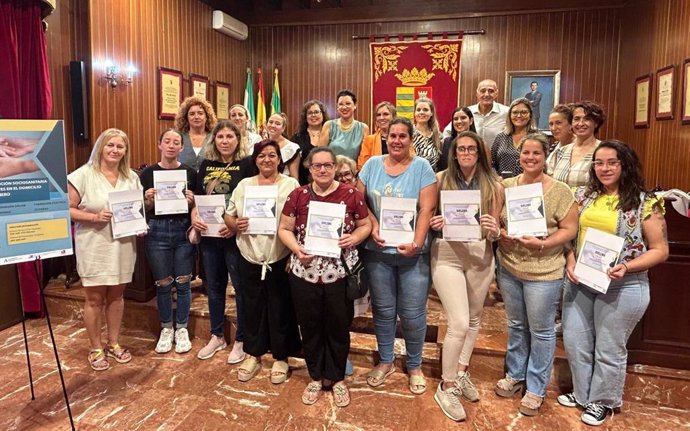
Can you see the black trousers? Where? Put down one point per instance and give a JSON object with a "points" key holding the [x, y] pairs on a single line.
{"points": [[270, 323], [324, 315]]}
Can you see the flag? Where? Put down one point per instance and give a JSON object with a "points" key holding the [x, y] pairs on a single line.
{"points": [[260, 106], [275, 99], [249, 99]]}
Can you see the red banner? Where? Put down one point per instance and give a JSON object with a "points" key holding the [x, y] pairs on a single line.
{"points": [[402, 72]]}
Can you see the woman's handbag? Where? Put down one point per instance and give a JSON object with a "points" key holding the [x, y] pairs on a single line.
{"points": [[357, 283]]}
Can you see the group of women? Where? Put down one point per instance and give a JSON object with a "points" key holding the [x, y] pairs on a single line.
{"points": [[290, 300]]}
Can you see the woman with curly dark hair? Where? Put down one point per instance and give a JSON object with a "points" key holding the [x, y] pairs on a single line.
{"points": [[195, 119], [596, 326], [311, 120]]}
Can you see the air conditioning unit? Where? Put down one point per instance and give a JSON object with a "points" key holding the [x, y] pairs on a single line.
{"points": [[228, 25]]}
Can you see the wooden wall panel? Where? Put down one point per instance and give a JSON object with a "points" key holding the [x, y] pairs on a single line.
{"points": [[169, 33], [318, 60], [655, 35]]}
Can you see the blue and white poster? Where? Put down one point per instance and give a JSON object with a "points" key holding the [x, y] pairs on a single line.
{"points": [[34, 201]]}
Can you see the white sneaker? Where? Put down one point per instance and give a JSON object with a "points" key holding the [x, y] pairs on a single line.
{"points": [[182, 343], [214, 345], [165, 341], [237, 354]]}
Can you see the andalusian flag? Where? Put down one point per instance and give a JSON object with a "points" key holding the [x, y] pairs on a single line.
{"points": [[260, 105], [249, 98], [275, 99]]}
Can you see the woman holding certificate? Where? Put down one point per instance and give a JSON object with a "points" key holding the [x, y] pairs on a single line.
{"points": [[218, 176], [195, 119], [252, 212], [598, 322], [539, 217], [168, 195], [105, 264], [401, 193], [319, 236], [462, 267]]}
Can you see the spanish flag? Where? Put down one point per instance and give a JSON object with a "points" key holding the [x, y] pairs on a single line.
{"points": [[275, 99], [261, 106]]}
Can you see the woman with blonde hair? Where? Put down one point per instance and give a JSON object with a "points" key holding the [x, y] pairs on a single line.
{"points": [[505, 157], [427, 137], [105, 264], [375, 145], [195, 119], [240, 117], [289, 151]]}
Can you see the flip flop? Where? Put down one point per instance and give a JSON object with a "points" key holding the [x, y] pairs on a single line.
{"points": [[249, 368], [341, 395], [376, 377], [279, 372], [417, 384]]}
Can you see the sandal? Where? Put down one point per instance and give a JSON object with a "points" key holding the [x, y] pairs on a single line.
{"points": [[312, 392], [508, 386], [116, 352], [249, 368], [376, 377], [529, 406], [417, 384], [98, 360], [279, 372], [341, 395]]}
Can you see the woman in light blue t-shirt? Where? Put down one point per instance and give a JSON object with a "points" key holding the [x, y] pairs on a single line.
{"points": [[399, 275]]}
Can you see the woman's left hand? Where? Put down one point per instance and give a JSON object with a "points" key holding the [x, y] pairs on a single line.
{"points": [[489, 224], [225, 232], [346, 241], [408, 250], [618, 272], [190, 196], [530, 242], [242, 224]]}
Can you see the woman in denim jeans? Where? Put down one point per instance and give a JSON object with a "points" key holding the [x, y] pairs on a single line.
{"points": [[169, 253], [530, 277], [220, 173], [596, 326], [399, 276]]}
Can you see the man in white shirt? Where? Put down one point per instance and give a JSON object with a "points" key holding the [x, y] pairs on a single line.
{"points": [[489, 115]]}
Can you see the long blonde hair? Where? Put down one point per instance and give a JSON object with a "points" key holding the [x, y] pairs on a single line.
{"points": [[97, 151], [433, 122], [486, 179]]}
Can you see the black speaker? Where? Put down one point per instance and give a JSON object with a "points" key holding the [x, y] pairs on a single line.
{"points": [[80, 101]]}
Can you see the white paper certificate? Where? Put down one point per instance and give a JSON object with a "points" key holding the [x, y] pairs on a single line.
{"points": [[170, 188], [525, 210], [599, 253], [324, 228], [397, 220], [260, 207], [128, 213], [461, 210], [211, 210]]}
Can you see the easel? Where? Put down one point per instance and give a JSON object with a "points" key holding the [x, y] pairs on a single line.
{"points": [[52, 339]]}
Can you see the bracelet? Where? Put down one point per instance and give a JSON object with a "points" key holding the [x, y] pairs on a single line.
{"points": [[626, 267]]}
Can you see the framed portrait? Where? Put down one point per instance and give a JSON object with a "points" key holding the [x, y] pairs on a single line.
{"points": [[222, 100], [540, 87], [685, 114], [198, 86], [169, 92], [664, 93], [643, 94]]}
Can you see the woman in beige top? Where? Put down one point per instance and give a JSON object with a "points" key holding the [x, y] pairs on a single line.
{"points": [[530, 276]]}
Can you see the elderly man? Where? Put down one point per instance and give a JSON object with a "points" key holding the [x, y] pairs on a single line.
{"points": [[489, 115]]}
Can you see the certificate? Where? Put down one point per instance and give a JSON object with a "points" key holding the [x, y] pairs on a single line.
{"points": [[664, 93], [397, 220], [599, 253], [643, 92], [211, 210], [260, 208], [170, 188], [461, 210], [222, 100], [324, 228], [169, 92], [199, 86], [128, 213], [525, 210], [685, 114]]}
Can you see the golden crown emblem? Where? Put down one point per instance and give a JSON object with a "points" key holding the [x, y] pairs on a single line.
{"points": [[414, 78]]}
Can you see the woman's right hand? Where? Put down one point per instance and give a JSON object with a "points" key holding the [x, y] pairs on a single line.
{"points": [[304, 257], [436, 223], [102, 217], [197, 223], [242, 224], [375, 236]]}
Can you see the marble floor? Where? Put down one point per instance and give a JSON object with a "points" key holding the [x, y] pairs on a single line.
{"points": [[180, 392]]}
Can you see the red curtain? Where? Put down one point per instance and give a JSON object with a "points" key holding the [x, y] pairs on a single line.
{"points": [[24, 94]]}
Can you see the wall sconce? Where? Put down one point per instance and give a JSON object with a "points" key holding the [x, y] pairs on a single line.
{"points": [[114, 76]]}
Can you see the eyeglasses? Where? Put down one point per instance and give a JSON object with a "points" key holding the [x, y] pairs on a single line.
{"points": [[318, 166], [599, 164], [468, 150], [314, 113], [519, 113], [347, 174]]}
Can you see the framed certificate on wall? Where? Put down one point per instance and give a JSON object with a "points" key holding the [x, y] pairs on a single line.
{"points": [[643, 94], [222, 100], [169, 92], [198, 86], [664, 93], [685, 110]]}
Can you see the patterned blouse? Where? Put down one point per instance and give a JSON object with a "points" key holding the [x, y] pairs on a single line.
{"points": [[324, 270], [426, 148], [505, 158], [575, 174]]}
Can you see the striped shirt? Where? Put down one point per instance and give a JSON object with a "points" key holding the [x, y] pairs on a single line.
{"points": [[426, 148]]}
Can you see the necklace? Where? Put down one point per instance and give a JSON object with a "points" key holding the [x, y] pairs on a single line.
{"points": [[345, 128], [314, 134]]}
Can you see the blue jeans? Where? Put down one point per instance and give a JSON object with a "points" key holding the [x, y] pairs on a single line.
{"points": [[596, 328], [399, 286], [531, 311], [170, 258], [220, 257]]}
